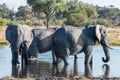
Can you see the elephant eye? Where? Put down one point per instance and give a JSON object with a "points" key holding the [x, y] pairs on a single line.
{"points": [[104, 32]]}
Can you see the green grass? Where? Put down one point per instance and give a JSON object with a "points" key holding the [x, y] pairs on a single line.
{"points": [[3, 42], [114, 42]]}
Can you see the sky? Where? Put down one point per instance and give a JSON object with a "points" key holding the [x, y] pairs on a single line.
{"points": [[106, 3], [16, 3]]}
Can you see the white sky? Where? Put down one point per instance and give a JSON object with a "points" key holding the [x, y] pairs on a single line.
{"points": [[16, 3], [13, 3], [106, 3]]}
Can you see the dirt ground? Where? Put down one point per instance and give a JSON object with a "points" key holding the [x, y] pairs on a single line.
{"points": [[113, 33]]}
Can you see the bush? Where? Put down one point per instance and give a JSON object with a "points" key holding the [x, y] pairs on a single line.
{"points": [[59, 22], [105, 22], [3, 22], [76, 19], [91, 21], [30, 23]]}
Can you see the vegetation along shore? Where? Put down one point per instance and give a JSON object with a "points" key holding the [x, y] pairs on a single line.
{"points": [[113, 36]]}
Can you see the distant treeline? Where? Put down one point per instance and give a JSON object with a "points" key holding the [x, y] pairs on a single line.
{"points": [[60, 12]]}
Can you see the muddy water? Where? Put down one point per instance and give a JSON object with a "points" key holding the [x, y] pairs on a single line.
{"points": [[44, 68]]}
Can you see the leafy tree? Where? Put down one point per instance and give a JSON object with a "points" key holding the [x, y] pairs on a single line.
{"points": [[48, 7], [91, 11], [76, 14], [4, 10], [24, 12], [76, 19]]}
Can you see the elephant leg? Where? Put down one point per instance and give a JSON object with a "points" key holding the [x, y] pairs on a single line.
{"points": [[65, 59], [25, 54], [88, 59], [15, 58], [75, 56], [54, 57], [88, 55]]}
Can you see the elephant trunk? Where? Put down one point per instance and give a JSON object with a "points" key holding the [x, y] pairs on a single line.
{"points": [[106, 50]]}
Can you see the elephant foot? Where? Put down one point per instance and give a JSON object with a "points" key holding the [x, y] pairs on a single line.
{"points": [[75, 56], [66, 63], [15, 62], [27, 63], [55, 63]]}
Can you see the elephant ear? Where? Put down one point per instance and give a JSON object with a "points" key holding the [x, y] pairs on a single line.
{"points": [[98, 33], [26, 34], [8, 32]]}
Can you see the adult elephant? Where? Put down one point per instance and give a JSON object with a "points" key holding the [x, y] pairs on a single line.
{"points": [[73, 40], [20, 38], [42, 41], [28, 42]]}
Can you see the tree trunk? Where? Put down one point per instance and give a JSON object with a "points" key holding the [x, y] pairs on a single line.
{"points": [[47, 23]]}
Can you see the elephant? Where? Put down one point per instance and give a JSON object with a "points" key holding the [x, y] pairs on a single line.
{"points": [[20, 38], [28, 42], [70, 40], [42, 41]]}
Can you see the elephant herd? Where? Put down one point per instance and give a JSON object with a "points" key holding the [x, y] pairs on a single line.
{"points": [[62, 42]]}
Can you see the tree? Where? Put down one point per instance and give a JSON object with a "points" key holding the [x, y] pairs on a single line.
{"points": [[76, 14], [48, 7], [24, 12], [4, 10], [91, 11]]}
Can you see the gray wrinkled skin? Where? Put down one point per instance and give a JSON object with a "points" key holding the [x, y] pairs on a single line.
{"points": [[29, 43], [73, 40], [42, 41], [18, 36]]}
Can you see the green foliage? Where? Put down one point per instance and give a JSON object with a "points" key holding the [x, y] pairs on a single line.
{"points": [[105, 22], [4, 10], [76, 19], [30, 23], [48, 7], [91, 21], [3, 22], [114, 42], [24, 12], [91, 11]]}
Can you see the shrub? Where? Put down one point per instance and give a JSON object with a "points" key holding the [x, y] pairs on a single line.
{"points": [[59, 22], [76, 19], [91, 21], [105, 22], [30, 23], [3, 22]]}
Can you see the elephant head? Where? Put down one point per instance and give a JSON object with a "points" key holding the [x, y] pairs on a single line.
{"points": [[101, 35], [17, 36]]}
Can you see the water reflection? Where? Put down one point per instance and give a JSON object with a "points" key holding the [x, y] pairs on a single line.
{"points": [[60, 71], [88, 70], [36, 69], [106, 69], [43, 69]]}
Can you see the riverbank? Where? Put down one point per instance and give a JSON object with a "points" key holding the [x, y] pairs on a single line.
{"points": [[62, 78]]}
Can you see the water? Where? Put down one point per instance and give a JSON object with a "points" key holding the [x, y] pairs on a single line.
{"points": [[44, 68]]}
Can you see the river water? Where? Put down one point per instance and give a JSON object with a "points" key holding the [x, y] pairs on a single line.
{"points": [[44, 68]]}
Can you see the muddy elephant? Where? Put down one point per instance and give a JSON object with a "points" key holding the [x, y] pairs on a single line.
{"points": [[73, 40], [20, 38]]}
